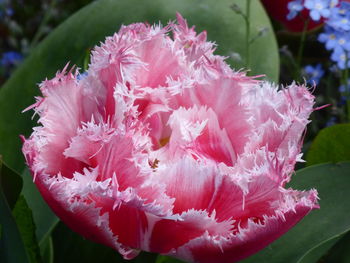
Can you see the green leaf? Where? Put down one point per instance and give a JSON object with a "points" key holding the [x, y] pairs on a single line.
{"points": [[11, 245], [44, 218], [93, 23], [165, 259], [314, 255], [339, 253], [332, 144], [71, 248], [11, 184], [332, 182], [47, 250], [24, 219]]}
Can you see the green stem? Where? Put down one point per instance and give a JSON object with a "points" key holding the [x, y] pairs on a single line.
{"points": [[301, 48], [347, 88], [247, 36], [39, 33]]}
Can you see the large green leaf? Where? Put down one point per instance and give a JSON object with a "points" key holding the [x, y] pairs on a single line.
{"points": [[12, 249], [11, 184], [24, 219], [71, 40], [166, 259], [340, 253], [71, 248], [317, 253], [47, 251], [332, 144], [332, 181], [44, 218]]}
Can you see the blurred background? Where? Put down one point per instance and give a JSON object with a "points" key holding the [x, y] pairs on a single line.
{"points": [[275, 51]]}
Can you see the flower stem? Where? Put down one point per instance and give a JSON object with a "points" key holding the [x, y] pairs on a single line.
{"points": [[347, 88], [301, 48], [247, 35], [42, 25]]}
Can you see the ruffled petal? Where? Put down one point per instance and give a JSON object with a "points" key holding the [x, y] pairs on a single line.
{"points": [[61, 116], [208, 249], [188, 226]]}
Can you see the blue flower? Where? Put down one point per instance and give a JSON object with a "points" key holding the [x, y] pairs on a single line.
{"points": [[343, 41], [342, 58], [9, 11], [11, 58], [328, 37], [334, 39], [318, 8], [340, 17], [5, 9], [294, 7], [313, 74]]}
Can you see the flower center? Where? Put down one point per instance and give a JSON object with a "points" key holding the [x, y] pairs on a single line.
{"points": [[164, 141], [154, 164], [341, 41], [319, 6], [343, 58], [344, 21]]}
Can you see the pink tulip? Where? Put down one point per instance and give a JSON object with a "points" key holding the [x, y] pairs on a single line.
{"points": [[162, 147]]}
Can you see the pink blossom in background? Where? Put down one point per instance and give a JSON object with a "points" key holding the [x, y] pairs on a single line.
{"points": [[162, 147]]}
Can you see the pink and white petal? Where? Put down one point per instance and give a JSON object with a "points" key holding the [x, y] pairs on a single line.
{"points": [[196, 47], [61, 115], [224, 100], [196, 131], [208, 249], [85, 218], [111, 150], [115, 62], [191, 183], [159, 67], [280, 118], [231, 202], [189, 225]]}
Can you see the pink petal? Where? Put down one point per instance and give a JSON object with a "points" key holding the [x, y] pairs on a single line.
{"points": [[190, 225], [60, 116], [198, 131], [207, 249], [225, 102]]}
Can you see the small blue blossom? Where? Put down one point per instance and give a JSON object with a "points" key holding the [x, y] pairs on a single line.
{"points": [[340, 17], [328, 37], [343, 41], [333, 3], [318, 8], [11, 58], [9, 11], [313, 74], [294, 7], [5, 9], [342, 58], [335, 40]]}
